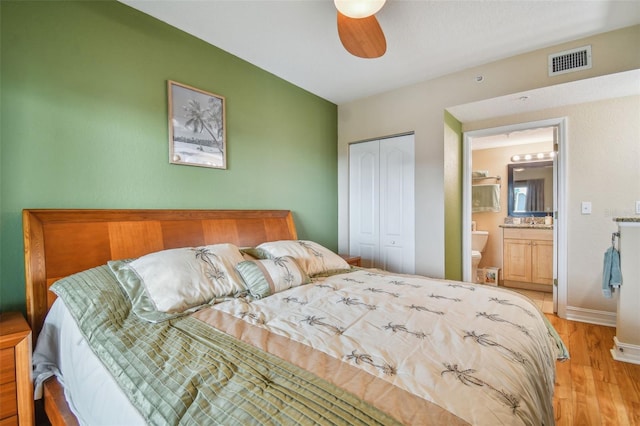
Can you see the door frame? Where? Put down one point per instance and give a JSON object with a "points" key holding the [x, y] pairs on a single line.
{"points": [[560, 203]]}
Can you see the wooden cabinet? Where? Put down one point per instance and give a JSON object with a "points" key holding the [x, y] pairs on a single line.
{"points": [[527, 258], [16, 387]]}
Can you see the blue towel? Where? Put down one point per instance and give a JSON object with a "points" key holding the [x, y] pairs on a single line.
{"points": [[611, 275]]}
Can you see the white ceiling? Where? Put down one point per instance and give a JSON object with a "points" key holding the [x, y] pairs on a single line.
{"points": [[297, 40]]}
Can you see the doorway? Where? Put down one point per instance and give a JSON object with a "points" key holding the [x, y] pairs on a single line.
{"points": [[558, 210]]}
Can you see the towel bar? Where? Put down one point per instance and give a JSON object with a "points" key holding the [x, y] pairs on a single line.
{"points": [[498, 179], [613, 238]]}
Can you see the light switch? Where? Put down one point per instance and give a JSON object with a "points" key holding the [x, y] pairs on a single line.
{"points": [[586, 207], [637, 207]]}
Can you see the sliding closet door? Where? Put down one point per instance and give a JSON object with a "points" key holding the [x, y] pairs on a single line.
{"points": [[381, 203]]}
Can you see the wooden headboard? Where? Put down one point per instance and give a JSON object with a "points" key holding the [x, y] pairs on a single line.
{"points": [[58, 243]]}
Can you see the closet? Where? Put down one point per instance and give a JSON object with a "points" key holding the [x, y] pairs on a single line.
{"points": [[382, 203]]}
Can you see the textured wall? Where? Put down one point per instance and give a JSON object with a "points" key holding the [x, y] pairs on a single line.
{"points": [[84, 125], [453, 197], [603, 166]]}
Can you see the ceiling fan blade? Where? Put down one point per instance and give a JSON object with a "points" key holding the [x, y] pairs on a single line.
{"points": [[362, 37]]}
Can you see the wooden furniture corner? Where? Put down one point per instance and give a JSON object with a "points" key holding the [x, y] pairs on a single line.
{"points": [[352, 260], [16, 386]]}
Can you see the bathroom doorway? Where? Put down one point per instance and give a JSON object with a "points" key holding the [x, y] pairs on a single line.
{"points": [[542, 137]]}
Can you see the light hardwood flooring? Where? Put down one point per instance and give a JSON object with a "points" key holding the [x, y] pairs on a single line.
{"points": [[543, 300], [591, 387]]}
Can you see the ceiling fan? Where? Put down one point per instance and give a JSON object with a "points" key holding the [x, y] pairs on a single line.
{"points": [[358, 28]]}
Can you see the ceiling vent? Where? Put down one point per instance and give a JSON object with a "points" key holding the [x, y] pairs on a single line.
{"points": [[570, 61]]}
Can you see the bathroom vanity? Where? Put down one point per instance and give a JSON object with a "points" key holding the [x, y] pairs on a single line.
{"points": [[527, 257]]}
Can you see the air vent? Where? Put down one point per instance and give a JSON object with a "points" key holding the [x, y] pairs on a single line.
{"points": [[570, 61]]}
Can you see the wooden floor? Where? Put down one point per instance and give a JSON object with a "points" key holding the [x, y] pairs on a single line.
{"points": [[543, 300], [592, 388]]}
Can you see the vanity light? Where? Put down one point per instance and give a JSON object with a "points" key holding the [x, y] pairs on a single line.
{"points": [[536, 156], [359, 8]]}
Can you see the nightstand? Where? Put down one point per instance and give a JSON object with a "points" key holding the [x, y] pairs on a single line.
{"points": [[352, 260], [16, 386]]}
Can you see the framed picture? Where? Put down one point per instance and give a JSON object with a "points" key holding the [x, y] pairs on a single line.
{"points": [[197, 129], [491, 276]]}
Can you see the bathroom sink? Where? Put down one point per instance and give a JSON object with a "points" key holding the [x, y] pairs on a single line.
{"points": [[526, 225]]}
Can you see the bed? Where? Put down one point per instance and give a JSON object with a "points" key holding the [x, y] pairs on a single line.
{"points": [[295, 335]]}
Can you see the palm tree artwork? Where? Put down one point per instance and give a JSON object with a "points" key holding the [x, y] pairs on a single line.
{"points": [[197, 127], [209, 119]]}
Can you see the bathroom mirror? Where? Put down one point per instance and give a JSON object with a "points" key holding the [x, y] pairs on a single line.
{"points": [[530, 188]]}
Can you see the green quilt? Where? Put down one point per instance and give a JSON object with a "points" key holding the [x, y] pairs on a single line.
{"points": [[185, 372]]}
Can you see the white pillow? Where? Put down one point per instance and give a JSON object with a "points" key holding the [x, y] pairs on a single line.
{"points": [[311, 256], [176, 280]]}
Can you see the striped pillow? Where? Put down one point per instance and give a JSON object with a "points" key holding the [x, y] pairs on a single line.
{"points": [[264, 277]]}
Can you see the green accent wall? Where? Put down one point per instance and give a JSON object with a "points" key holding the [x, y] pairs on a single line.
{"points": [[84, 125], [452, 197]]}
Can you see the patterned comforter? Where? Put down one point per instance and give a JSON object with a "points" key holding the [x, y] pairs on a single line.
{"points": [[364, 347], [485, 354]]}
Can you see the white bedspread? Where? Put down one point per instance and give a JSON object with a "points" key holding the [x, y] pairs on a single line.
{"points": [[481, 352]]}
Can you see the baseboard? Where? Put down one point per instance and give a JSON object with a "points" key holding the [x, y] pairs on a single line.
{"points": [[545, 288], [591, 316], [625, 351]]}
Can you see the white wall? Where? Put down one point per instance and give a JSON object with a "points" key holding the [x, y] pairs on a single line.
{"points": [[420, 108], [603, 166]]}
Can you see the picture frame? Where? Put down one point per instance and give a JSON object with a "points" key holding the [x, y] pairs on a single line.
{"points": [[491, 276], [197, 127]]}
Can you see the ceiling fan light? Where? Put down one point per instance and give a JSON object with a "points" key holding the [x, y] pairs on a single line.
{"points": [[359, 8]]}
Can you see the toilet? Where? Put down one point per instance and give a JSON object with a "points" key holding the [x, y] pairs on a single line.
{"points": [[478, 243]]}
